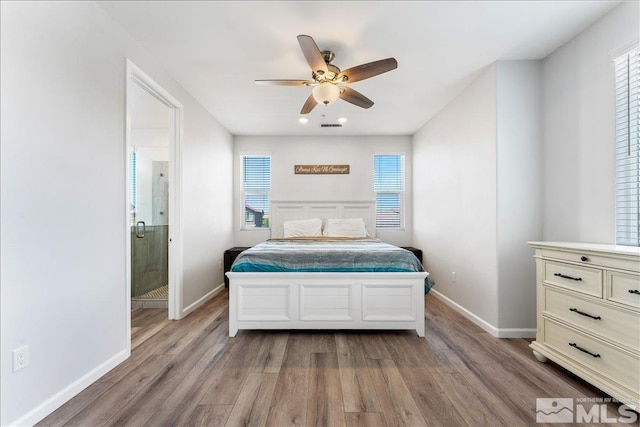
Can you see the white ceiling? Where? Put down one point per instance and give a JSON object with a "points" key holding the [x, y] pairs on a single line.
{"points": [[216, 49]]}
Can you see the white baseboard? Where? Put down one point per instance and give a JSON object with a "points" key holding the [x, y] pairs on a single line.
{"points": [[516, 333], [496, 332], [202, 300], [63, 396]]}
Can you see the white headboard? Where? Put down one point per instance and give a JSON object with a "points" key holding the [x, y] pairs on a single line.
{"points": [[282, 211]]}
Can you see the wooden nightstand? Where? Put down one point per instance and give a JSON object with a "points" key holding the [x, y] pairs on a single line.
{"points": [[230, 255]]}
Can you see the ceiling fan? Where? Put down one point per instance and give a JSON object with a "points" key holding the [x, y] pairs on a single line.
{"points": [[328, 81]]}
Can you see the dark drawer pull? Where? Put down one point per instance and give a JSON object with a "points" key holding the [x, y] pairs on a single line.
{"points": [[634, 291], [574, 345], [579, 279], [575, 310]]}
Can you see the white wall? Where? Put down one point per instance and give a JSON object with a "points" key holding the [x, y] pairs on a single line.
{"points": [[579, 130], [63, 198], [519, 184], [356, 151], [207, 192], [479, 191], [150, 137], [454, 197], [554, 171]]}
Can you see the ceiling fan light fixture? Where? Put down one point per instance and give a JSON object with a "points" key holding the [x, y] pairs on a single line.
{"points": [[327, 79], [326, 93]]}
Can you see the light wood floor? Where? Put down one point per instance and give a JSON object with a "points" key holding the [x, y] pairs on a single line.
{"points": [[189, 372]]}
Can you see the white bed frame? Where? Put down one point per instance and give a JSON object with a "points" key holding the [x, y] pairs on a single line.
{"points": [[325, 300]]}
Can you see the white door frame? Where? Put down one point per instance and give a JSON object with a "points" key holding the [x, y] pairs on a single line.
{"points": [[138, 77]]}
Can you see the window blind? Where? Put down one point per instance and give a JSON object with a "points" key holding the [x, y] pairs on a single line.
{"points": [[256, 188], [627, 123], [388, 185]]}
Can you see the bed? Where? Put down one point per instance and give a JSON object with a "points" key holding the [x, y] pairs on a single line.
{"points": [[326, 282]]}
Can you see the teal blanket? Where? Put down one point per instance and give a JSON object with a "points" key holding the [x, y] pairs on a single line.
{"points": [[292, 255]]}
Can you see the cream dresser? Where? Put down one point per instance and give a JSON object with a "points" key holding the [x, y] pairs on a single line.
{"points": [[588, 314]]}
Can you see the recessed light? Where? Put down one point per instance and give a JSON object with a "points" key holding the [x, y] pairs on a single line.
{"points": [[303, 120], [342, 120]]}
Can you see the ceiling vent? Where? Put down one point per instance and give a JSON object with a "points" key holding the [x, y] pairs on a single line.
{"points": [[330, 125]]}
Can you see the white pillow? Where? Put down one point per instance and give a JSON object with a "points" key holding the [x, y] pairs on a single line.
{"points": [[349, 227], [303, 228]]}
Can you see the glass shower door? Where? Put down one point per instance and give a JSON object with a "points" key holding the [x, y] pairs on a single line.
{"points": [[149, 215]]}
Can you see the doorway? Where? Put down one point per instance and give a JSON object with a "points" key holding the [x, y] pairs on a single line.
{"points": [[153, 165], [149, 206]]}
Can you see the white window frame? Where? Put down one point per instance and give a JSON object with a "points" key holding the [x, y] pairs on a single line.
{"points": [[627, 137], [402, 192], [243, 193]]}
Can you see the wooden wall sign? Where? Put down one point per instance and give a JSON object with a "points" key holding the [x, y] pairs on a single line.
{"points": [[321, 169]]}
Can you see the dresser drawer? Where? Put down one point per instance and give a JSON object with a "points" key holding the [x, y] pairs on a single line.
{"points": [[576, 277], [611, 323], [624, 288], [588, 257], [604, 359]]}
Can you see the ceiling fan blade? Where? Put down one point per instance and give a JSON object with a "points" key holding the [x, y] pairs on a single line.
{"points": [[309, 105], [312, 54], [371, 69], [284, 82], [355, 97]]}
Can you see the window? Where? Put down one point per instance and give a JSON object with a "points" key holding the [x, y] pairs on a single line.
{"points": [[388, 177], [255, 188], [628, 148]]}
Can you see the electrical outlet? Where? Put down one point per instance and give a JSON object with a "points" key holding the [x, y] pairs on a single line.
{"points": [[20, 358], [219, 265], [453, 277]]}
